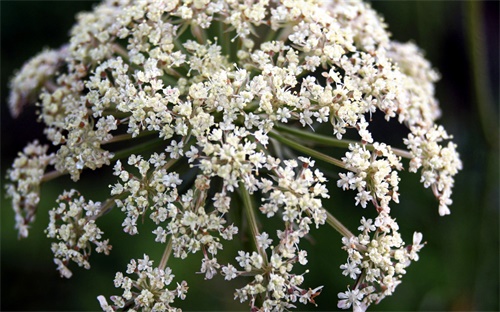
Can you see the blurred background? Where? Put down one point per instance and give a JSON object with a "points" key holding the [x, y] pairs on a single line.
{"points": [[458, 269]]}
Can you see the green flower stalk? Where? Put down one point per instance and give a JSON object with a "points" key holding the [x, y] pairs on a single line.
{"points": [[208, 110]]}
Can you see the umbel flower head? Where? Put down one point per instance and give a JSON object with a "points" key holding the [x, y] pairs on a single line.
{"points": [[210, 114]]}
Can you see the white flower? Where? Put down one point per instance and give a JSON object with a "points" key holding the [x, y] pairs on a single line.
{"points": [[416, 246], [349, 298], [366, 225], [263, 240], [229, 272], [363, 198], [351, 269]]}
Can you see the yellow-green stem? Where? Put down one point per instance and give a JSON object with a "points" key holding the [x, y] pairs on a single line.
{"points": [[331, 141], [479, 68], [337, 225], [252, 220], [139, 148], [306, 150], [166, 254]]}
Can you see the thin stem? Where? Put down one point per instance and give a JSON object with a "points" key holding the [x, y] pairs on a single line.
{"points": [[224, 38], [479, 68], [51, 175], [137, 149], [252, 220], [166, 254], [118, 49], [107, 206], [306, 150], [199, 33], [127, 136], [171, 77], [331, 141], [315, 137], [337, 225], [50, 86]]}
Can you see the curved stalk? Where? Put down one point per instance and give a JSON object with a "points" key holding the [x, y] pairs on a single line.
{"points": [[118, 49]]}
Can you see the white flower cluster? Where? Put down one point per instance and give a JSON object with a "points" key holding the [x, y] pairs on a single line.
{"points": [[296, 196], [35, 75], [195, 96], [148, 291], [72, 223], [371, 175], [273, 281], [26, 174], [377, 259], [439, 163]]}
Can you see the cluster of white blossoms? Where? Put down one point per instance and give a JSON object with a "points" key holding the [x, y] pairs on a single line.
{"points": [[209, 113], [26, 175], [377, 263], [273, 280], [147, 292], [72, 223], [374, 179]]}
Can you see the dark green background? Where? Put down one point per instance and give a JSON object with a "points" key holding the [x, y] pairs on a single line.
{"points": [[458, 268]]}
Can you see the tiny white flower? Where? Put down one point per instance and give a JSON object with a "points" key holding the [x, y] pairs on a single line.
{"points": [[349, 298]]}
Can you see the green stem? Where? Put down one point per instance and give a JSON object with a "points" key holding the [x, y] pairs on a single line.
{"points": [[331, 141], [479, 68], [166, 254], [224, 39], [252, 220], [337, 225], [128, 136], [170, 78], [137, 149], [306, 150]]}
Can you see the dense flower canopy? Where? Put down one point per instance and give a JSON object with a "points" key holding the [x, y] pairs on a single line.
{"points": [[217, 100]]}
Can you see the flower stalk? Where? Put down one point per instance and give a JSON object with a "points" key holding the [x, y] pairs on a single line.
{"points": [[325, 140], [252, 220], [337, 225], [166, 254], [306, 150]]}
